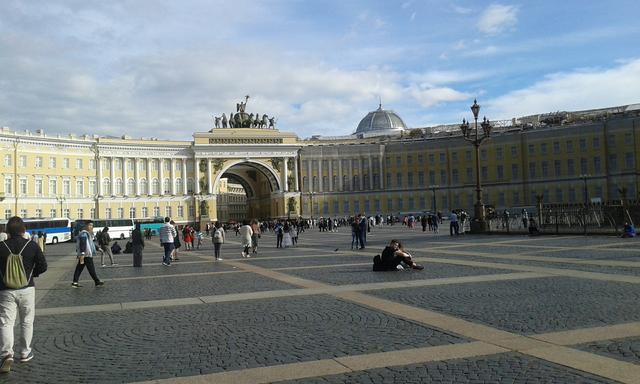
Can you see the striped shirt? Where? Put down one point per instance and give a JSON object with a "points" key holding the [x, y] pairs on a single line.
{"points": [[167, 233]]}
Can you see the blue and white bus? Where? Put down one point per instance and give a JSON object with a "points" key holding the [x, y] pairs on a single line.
{"points": [[118, 228], [58, 230]]}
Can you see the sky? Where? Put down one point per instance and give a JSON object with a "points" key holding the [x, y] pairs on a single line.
{"points": [[159, 68]]}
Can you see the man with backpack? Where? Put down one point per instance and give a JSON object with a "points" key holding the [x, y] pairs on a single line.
{"points": [[20, 261]]}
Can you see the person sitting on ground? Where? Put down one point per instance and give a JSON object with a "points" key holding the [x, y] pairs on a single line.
{"points": [[628, 231], [128, 248], [392, 258], [116, 248]]}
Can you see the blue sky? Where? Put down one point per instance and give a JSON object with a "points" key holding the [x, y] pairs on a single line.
{"points": [[164, 68]]}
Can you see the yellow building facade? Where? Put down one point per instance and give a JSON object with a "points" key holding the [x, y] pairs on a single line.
{"points": [[394, 172]]}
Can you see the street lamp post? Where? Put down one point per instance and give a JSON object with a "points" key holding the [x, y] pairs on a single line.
{"points": [[433, 190], [478, 224], [61, 200], [584, 178]]}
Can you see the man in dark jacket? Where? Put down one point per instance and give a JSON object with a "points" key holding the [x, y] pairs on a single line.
{"points": [[137, 242], [21, 300]]}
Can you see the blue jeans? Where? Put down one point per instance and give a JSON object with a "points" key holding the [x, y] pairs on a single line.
{"points": [[168, 248]]}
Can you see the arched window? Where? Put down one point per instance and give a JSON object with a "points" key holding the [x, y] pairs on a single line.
{"points": [[118, 164], [155, 187], [131, 186], [179, 186], [118, 186], [167, 186], [106, 187], [190, 185], [144, 187], [345, 182]]}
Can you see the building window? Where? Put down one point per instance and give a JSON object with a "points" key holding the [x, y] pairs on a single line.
{"points": [[469, 176], [583, 145], [443, 158], [80, 213], [155, 187], [66, 187], [167, 211], [596, 142], [559, 196], [556, 147], [78, 163], [432, 159], [571, 168], [572, 195], [106, 187], [179, 186], [92, 187], [118, 187], [65, 163], [454, 156], [8, 186], [557, 167], [131, 186], [421, 179], [545, 169], [432, 177], [23, 187], [38, 162], [484, 172], [39, 213], [569, 146], [180, 211], [23, 212], [583, 166], [79, 187], [38, 186], [613, 162], [190, 186], [399, 180], [514, 151], [597, 166], [92, 164], [52, 162], [629, 160], [500, 172], [130, 164], [120, 213], [455, 177], [532, 149], [420, 159], [516, 197], [145, 212], [409, 160], [53, 186], [7, 160], [143, 188], [132, 213], [543, 148], [7, 214], [443, 177], [92, 213], [107, 213], [499, 153], [400, 204]]}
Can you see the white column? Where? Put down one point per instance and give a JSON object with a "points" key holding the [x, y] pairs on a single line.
{"points": [[136, 174], [125, 188], [209, 181], [361, 172], [320, 186], [310, 175], [340, 177], [113, 176], [99, 165], [173, 176], [285, 171], [184, 177], [295, 171], [161, 175], [381, 172], [330, 174], [350, 181], [196, 170], [148, 161], [370, 174]]}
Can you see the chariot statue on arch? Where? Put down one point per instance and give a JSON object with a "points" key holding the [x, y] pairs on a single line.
{"points": [[242, 119]]}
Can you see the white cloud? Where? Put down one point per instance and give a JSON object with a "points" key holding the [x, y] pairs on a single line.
{"points": [[497, 18], [461, 10], [431, 96], [577, 90]]}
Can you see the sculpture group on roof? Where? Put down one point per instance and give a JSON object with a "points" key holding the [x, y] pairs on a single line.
{"points": [[240, 119]]}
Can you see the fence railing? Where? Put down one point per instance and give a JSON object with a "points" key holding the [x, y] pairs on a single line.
{"points": [[596, 218]]}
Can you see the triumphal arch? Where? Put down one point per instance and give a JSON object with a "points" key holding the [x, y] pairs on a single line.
{"points": [[250, 151]]}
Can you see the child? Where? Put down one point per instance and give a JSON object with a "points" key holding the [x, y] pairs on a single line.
{"points": [[199, 237]]}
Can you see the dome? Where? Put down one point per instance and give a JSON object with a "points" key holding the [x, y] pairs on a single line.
{"points": [[381, 122]]}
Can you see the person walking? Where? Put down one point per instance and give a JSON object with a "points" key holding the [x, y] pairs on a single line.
{"points": [[245, 238], [20, 300], [255, 236], [85, 252], [176, 242], [167, 236], [103, 242], [137, 242], [279, 230], [218, 240], [454, 227]]}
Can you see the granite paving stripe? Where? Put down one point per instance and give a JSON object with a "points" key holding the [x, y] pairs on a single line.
{"points": [[88, 281], [627, 350], [529, 306], [362, 274], [314, 260], [502, 368], [123, 272], [158, 289], [146, 344], [585, 335], [591, 363]]}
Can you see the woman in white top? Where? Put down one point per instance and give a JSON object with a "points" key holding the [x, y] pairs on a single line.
{"points": [[286, 240], [245, 238]]}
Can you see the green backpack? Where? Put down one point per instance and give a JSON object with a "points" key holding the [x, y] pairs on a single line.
{"points": [[14, 276]]}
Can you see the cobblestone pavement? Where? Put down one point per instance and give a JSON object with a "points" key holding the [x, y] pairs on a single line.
{"points": [[316, 313]]}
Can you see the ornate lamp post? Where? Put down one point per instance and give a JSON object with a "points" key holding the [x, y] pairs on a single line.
{"points": [[433, 189], [61, 200], [478, 224]]}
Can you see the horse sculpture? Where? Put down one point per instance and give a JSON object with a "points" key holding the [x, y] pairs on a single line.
{"points": [[231, 120], [224, 121], [216, 120], [272, 123], [265, 121]]}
